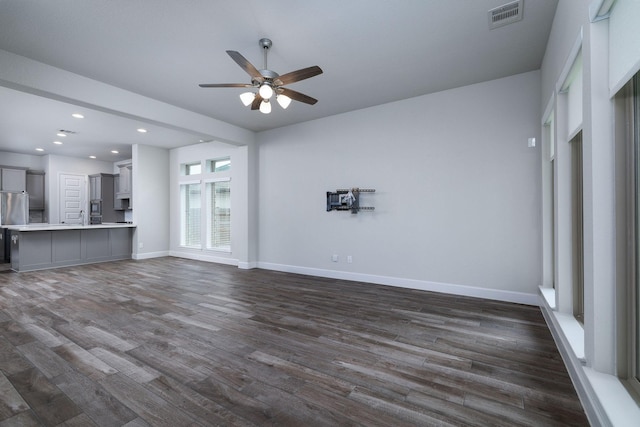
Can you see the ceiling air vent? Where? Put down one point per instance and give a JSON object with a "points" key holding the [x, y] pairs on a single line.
{"points": [[505, 14]]}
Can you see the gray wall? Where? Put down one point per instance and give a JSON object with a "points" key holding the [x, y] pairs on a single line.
{"points": [[150, 199], [457, 200]]}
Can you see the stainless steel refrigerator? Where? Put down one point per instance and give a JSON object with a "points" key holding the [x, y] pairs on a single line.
{"points": [[14, 210]]}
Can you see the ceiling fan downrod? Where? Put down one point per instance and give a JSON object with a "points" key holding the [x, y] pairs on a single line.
{"points": [[265, 44]]}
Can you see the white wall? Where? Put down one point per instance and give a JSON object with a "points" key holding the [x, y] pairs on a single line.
{"points": [[22, 160], [150, 200], [457, 197]]}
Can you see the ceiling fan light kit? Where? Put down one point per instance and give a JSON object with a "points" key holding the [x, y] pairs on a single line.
{"points": [[247, 98], [283, 100], [266, 91], [268, 83], [265, 106]]}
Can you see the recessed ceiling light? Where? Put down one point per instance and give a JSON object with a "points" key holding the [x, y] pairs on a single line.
{"points": [[77, 116], [92, 157], [114, 151], [62, 134], [39, 149], [142, 130], [57, 142]]}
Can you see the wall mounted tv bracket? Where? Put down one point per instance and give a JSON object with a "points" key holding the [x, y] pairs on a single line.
{"points": [[347, 200]]}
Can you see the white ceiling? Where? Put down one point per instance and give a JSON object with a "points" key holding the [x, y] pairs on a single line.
{"points": [[372, 52]]}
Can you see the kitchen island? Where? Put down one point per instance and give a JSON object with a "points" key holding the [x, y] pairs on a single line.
{"points": [[41, 246]]}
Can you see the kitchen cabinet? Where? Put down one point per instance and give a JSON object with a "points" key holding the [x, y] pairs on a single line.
{"points": [[35, 188], [119, 204], [95, 186], [13, 179], [124, 182], [60, 246]]}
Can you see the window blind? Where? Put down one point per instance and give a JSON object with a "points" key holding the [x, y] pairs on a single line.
{"points": [[191, 206], [624, 43], [219, 215]]}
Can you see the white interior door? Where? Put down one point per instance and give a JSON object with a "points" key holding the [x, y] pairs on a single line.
{"points": [[72, 198]]}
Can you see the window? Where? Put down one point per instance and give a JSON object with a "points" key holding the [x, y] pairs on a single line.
{"points": [[577, 209], [205, 203], [219, 215], [628, 147], [190, 215], [219, 165], [549, 202], [192, 169], [635, 289]]}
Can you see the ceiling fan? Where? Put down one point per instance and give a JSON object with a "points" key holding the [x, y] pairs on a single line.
{"points": [[268, 83]]}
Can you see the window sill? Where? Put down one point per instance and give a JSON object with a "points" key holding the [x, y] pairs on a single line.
{"points": [[604, 397], [219, 250], [572, 330], [549, 295], [619, 405]]}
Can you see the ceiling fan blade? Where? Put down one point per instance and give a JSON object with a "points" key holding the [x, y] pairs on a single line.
{"points": [[225, 85], [296, 76], [255, 105], [297, 96], [245, 65]]}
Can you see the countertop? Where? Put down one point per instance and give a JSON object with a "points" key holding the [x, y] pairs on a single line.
{"points": [[52, 227]]}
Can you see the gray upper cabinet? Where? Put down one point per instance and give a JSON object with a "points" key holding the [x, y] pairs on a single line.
{"points": [[13, 179], [95, 187], [35, 188], [118, 204], [124, 182]]}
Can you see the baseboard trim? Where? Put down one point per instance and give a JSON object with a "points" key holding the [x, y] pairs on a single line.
{"points": [[204, 257], [247, 265], [448, 288], [149, 255]]}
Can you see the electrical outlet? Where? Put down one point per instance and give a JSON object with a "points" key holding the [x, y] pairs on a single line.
{"points": [[349, 259], [334, 258], [140, 245]]}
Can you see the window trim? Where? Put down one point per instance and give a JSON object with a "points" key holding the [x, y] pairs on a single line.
{"points": [[633, 136]]}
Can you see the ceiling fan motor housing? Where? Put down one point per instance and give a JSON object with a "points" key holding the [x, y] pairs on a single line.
{"points": [[265, 43]]}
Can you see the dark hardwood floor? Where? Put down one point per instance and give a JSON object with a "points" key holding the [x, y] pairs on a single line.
{"points": [[174, 342]]}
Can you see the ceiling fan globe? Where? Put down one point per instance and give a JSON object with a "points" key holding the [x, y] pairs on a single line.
{"points": [[283, 100], [247, 98], [266, 91], [265, 107]]}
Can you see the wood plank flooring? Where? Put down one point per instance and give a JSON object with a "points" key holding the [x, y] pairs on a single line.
{"points": [[175, 342]]}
